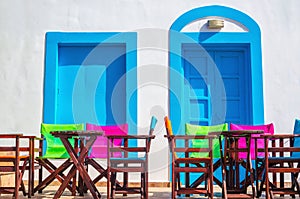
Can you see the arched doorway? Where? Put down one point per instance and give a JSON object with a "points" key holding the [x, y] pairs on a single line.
{"points": [[215, 75]]}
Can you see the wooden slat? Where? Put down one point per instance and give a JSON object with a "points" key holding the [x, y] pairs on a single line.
{"points": [[128, 149], [189, 150]]}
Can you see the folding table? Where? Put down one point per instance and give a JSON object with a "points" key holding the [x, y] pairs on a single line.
{"points": [[86, 139]]}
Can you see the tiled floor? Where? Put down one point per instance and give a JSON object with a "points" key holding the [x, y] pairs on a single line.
{"points": [[155, 193]]}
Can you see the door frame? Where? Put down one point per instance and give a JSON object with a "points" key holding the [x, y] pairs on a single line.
{"points": [[52, 42], [252, 37]]}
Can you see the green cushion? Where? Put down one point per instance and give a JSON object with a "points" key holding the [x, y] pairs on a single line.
{"points": [[191, 129], [54, 147]]}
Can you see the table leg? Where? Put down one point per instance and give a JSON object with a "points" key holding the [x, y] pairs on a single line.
{"points": [[79, 165], [65, 182], [31, 168]]}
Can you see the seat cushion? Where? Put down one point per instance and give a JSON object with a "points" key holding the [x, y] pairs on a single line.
{"points": [[268, 130], [99, 148], [54, 148], [191, 129]]}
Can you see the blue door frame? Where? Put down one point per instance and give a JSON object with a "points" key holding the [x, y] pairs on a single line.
{"points": [[56, 41], [251, 37]]}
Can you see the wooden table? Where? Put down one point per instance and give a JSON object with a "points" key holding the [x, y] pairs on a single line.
{"points": [[86, 138]]}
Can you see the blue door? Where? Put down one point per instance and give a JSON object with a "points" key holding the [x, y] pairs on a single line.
{"points": [[216, 85]]}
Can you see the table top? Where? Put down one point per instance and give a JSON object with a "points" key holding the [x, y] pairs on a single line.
{"points": [[130, 136], [10, 135], [192, 136], [278, 136], [238, 132], [76, 133]]}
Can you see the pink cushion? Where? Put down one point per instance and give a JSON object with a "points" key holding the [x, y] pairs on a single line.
{"points": [[99, 148], [268, 129]]}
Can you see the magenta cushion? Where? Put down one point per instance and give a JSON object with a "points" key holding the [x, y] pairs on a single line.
{"points": [[267, 128], [99, 148]]}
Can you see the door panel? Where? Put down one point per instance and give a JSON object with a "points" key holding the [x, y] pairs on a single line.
{"points": [[87, 84], [207, 72]]}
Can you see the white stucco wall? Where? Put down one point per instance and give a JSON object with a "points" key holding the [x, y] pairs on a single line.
{"points": [[23, 25]]}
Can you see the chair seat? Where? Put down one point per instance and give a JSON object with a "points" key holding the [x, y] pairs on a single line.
{"points": [[284, 159], [130, 159], [280, 159], [192, 160], [12, 158]]}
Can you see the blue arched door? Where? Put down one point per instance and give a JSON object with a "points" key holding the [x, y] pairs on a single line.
{"points": [[215, 77]]}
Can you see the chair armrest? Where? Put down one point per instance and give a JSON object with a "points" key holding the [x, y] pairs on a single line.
{"points": [[126, 148], [191, 137], [185, 148]]}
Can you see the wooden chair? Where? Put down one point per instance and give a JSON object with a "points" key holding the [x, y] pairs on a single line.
{"points": [[237, 171], [191, 129], [99, 149], [16, 159], [182, 162], [281, 157], [268, 129], [130, 161], [51, 149]]}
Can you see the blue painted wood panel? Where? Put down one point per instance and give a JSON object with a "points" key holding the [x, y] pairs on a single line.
{"points": [[216, 85], [89, 77], [82, 94]]}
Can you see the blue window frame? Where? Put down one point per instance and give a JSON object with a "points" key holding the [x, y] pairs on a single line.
{"points": [[90, 77]]}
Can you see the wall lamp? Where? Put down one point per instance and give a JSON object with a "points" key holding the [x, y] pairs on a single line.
{"points": [[215, 24]]}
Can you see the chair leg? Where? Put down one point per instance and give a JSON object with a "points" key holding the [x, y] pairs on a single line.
{"points": [[146, 188], [108, 176], [40, 179], [143, 185], [17, 183], [113, 184], [22, 188], [174, 182]]}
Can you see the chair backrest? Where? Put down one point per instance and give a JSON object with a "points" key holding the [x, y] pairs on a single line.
{"points": [[152, 125], [297, 140], [151, 131], [169, 131], [191, 129], [99, 148], [53, 148], [268, 130]]}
